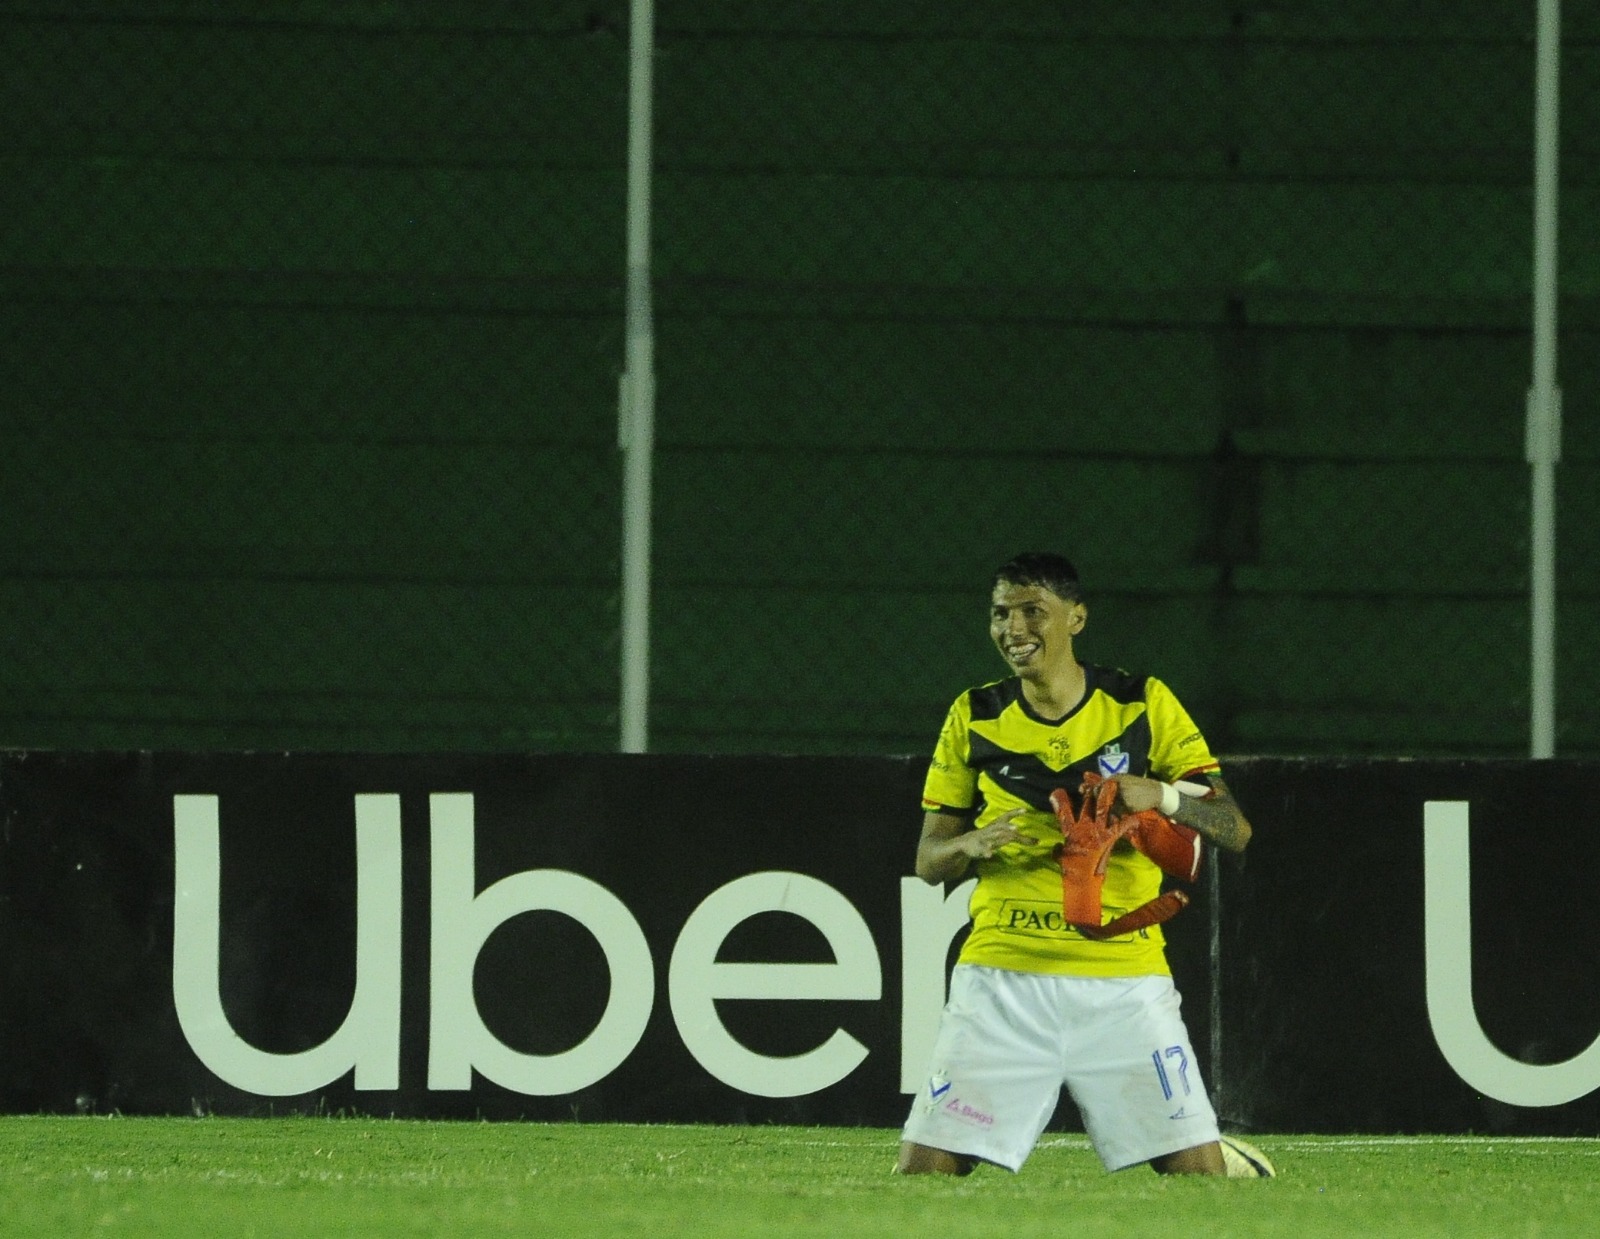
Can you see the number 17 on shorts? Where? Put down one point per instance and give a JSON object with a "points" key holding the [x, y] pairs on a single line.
{"points": [[1172, 1070]]}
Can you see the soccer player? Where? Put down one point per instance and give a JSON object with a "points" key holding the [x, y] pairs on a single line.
{"points": [[1035, 1005]]}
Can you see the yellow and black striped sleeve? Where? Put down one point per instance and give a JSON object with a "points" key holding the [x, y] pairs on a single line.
{"points": [[1178, 748], [952, 784]]}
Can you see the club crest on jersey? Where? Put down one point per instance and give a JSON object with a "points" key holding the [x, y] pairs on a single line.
{"points": [[1113, 761]]}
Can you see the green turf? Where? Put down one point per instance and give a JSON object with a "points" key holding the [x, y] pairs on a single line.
{"points": [[250, 1177]]}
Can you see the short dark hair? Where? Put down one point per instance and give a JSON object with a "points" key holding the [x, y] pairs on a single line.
{"points": [[1044, 568]]}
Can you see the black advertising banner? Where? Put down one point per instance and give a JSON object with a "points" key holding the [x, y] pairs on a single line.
{"points": [[737, 939], [1328, 1020], [549, 937]]}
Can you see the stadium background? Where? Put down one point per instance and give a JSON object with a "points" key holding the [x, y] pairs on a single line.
{"points": [[311, 323]]}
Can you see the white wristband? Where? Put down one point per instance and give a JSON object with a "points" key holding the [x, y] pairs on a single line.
{"points": [[1170, 799]]}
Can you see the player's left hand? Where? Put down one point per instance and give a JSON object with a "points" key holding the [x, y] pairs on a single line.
{"points": [[1135, 793]]}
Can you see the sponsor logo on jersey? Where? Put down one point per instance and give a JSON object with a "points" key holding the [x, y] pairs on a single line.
{"points": [[1036, 919]]}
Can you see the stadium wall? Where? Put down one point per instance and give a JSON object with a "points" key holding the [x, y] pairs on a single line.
{"points": [[311, 318], [654, 938]]}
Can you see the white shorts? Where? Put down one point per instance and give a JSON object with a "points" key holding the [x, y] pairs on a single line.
{"points": [[1009, 1041]]}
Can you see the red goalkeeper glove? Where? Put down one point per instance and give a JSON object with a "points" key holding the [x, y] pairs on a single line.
{"points": [[1087, 836], [1172, 845], [1087, 839]]}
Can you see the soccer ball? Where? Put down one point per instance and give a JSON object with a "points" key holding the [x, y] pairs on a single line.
{"points": [[1244, 1160]]}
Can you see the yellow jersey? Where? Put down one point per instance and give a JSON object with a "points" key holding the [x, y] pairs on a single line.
{"points": [[996, 754]]}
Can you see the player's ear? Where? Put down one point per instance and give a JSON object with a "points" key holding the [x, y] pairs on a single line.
{"points": [[1080, 617]]}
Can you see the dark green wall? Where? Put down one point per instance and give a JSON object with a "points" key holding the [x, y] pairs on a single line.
{"points": [[310, 322]]}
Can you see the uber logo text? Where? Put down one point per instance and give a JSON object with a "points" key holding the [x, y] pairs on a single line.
{"points": [[368, 1040]]}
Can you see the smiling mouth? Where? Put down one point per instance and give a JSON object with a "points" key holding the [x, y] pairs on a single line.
{"points": [[1021, 653]]}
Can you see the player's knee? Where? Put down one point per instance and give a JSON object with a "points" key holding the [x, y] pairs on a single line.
{"points": [[1202, 1159], [920, 1159]]}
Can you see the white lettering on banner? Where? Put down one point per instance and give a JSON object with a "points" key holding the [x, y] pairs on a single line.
{"points": [[696, 980], [369, 1038], [462, 920], [458, 1039], [1448, 937], [929, 919]]}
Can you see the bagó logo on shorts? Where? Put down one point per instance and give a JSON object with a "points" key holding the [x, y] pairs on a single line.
{"points": [[939, 1086], [958, 1109]]}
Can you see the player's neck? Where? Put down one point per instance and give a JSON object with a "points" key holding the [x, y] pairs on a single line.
{"points": [[1056, 694]]}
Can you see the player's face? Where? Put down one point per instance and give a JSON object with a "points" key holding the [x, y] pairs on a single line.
{"points": [[1033, 628]]}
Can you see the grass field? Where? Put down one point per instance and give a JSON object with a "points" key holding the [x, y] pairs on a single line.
{"points": [[259, 1177]]}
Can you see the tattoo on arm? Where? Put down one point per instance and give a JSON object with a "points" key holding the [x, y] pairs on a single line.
{"points": [[1217, 818]]}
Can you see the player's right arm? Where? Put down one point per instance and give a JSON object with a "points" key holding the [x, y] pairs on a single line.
{"points": [[949, 845]]}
